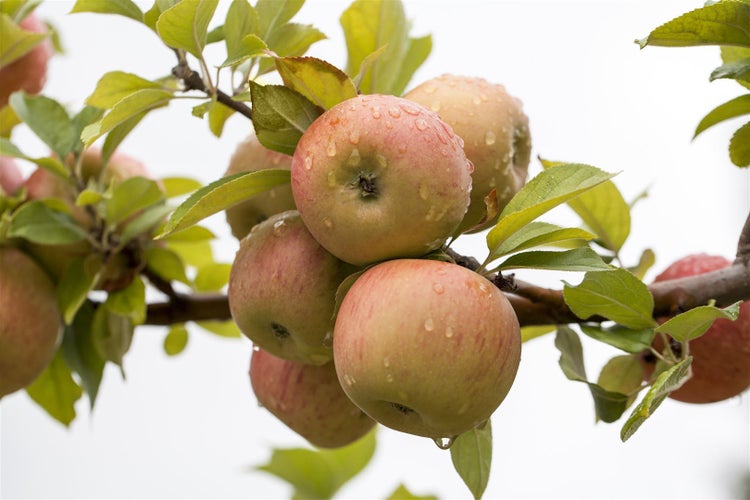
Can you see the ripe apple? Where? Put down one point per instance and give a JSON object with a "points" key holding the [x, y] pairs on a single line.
{"points": [[249, 156], [282, 290], [426, 347], [496, 137], [721, 356], [10, 175], [308, 399], [28, 72], [30, 322], [377, 177]]}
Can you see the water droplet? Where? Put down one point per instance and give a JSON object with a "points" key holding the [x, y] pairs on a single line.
{"points": [[354, 136], [348, 380], [492, 183], [470, 166], [256, 348], [402, 148], [429, 89], [444, 443], [381, 160], [388, 377], [477, 101], [411, 110], [308, 163], [490, 138], [420, 124], [449, 332], [331, 178], [376, 112], [429, 324], [354, 158], [279, 227], [439, 289], [424, 191], [331, 149], [435, 106], [328, 339], [386, 362], [327, 222], [430, 214], [394, 112]]}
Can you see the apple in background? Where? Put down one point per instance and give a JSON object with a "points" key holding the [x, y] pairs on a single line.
{"points": [[249, 156], [282, 290], [426, 347], [28, 72], [496, 137], [308, 399], [721, 356], [30, 322], [10, 175], [378, 177]]}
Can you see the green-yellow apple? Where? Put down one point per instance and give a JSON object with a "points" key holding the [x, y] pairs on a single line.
{"points": [[10, 175], [282, 289], [30, 321], [426, 347], [308, 399], [496, 137], [250, 156], [28, 72], [721, 356], [378, 177]]}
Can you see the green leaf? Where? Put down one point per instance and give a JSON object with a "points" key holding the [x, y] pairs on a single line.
{"points": [[417, 52], [402, 493], [693, 323], [578, 259], [548, 189], [320, 473], [622, 375], [735, 70], [212, 278], [120, 7], [85, 117], [118, 134], [292, 39], [130, 196], [730, 54], [534, 331], [81, 354], [166, 264], [733, 108], [227, 329], [178, 186], [176, 339], [616, 295], [77, 281], [56, 391], [218, 115], [241, 20], [129, 302], [53, 165], [272, 14], [536, 234], [645, 262], [280, 116], [145, 222], [37, 222], [319, 81], [192, 234], [665, 383], [247, 47], [222, 194], [471, 454], [113, 335], [48, 119], [721, 23], [127, 109], [15, 42], [185, 25], [739, 146], [115, 86], [626, 339], [192, 253]]}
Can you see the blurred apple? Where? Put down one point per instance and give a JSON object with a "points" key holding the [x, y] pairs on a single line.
{"points": [[28, 72], [10, 175]]}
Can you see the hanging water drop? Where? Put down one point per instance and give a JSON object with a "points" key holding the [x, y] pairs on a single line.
{"points": [[490, 138], [444, 443], [429, 324], [420, 124]]}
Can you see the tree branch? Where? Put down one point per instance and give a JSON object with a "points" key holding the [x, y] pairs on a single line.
{"points": [[193, 81]]}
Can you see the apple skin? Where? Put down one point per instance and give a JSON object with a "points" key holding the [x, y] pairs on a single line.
{"points": [[30, 321], [308, 399], [28, 72], [282, 290], [496, 137], [10, 175], [426, 347], [250, 156], [721, 356], [378, 177]]}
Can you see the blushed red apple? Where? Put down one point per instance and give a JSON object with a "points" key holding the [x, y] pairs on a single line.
{"points": [[28, 72]]}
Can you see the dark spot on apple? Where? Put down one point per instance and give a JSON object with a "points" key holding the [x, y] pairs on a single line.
{"points": [[366, 184], [402, 408], [279, 331]]}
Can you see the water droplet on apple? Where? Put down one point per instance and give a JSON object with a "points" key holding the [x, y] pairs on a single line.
{"points": [[490, 138], [411, 110], [394, 112], [439, 289], [308, 163], [445, 443], [331, 178], [429, 89], [429, 324], [381, 160], [331, 149], [328, 339], [279, 227], [256, 348], [327, 222], [420, 124], [435, 106], [376, 113], [470, 166], [386, 362], [354, 137], [402, 148], [477, 101], [388, 377], [424, 191], [449, 332], [354, 158]]}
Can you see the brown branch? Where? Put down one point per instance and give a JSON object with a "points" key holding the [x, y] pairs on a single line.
{"points": [[184, 308], [193, 81]]}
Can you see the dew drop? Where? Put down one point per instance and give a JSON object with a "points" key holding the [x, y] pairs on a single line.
{"points": [[435, 106], [331, 149], [386, 362], [328, 339], [381, 160], [279, 227], [394, 112], [411, 110], [354, 137], [327, 222], [424, 191], [439, 289], [376, 113], [389, 378], [429, 324], [354, 158], [308, 163], [402, 148], [420, 124], [256, 348], [449, 332], [331, 178], [348, 380], [444, 443], [490, 138], [430, 89]]}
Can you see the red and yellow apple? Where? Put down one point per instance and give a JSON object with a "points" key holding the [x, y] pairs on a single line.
{"points": [[496, 137], [426, 347], [28, 72], [378, 177], [10, 176]]}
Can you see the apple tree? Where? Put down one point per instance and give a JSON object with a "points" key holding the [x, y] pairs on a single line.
{"points": [[345, 202]]}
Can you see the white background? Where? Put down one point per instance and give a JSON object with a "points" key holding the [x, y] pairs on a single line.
{"points": [[190, 427]]}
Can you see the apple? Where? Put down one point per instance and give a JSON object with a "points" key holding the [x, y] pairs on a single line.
{"points": [[249, 156], [28, 72], [10, 175], [496, 138], [721, 356], [308, 399], [426, 347], [30, 321], [282, 290], [378, 177]]}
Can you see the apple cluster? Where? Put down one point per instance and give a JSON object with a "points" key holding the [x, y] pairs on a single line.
{"points": [[356, 315]]}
